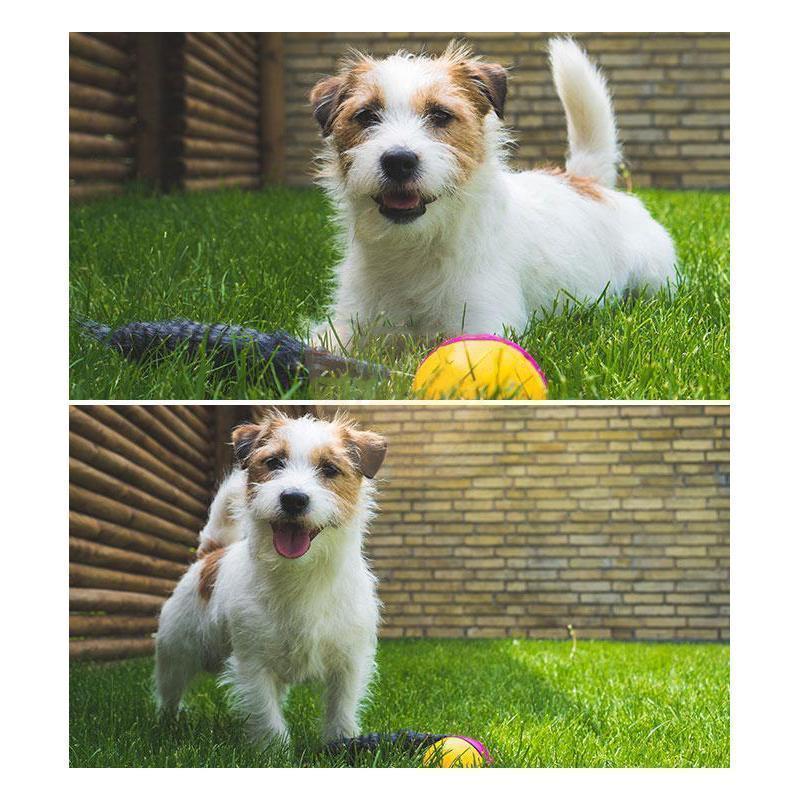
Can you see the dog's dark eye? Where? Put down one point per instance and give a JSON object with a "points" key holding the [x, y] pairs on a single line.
{"points": [[367, 117], [329, 470], [440, 117], [274, 464]]}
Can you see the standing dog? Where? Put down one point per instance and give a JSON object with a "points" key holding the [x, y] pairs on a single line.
{"points": [[440, 236], [281, 593]]}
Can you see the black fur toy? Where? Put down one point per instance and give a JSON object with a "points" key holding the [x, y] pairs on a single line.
{"points": [[289, 357], [408, 741]]}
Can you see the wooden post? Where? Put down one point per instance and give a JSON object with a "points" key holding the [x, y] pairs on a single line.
{"points": [[273, 122], [225, 418], [150, 89]]}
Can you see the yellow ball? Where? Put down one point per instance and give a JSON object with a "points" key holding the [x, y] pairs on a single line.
{"points": [[453, 751], [479, 367]]}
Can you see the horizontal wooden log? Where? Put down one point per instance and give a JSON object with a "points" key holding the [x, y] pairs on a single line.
{"points": [[205, 413], [98, 481], [207, 148], [114, 602], [202, 429], [88, 577], [196, 47], [81, 192], [92, 98], [111, 625], [104, 425], [120, 467], [88, 144], [201, 167], [95, 168], [170, 417], [243, 43], [247, 42], [234, 55], [211, 113], [110, 649], [92, 49], [193, 127], [101, 530], [93, 504], [148, 419], [214, 95], [230, 182], [197, 68], [114, 80], [122, 41], [101, 122], [83, 551]]}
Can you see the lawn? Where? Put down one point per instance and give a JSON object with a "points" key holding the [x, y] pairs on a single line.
{"points": [[611, 705], [265, 259]]}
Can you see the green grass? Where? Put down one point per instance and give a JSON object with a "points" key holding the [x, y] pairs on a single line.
{"points": [[612, 705], [266, 259]]}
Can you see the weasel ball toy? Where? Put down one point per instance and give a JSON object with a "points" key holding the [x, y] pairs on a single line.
{"points": [[479, 367]]}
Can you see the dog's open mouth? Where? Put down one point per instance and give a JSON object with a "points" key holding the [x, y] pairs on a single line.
{"points": [[291, 540], [402, 206]]}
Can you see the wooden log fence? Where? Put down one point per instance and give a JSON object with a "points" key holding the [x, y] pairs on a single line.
{"points": [[183, 111], [141, 479]]}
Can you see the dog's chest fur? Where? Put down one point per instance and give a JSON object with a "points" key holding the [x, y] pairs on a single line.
{"points": [[310, 619]]}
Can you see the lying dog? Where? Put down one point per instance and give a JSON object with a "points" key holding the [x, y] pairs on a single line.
{"points": [[440, 236], [281, 593]]}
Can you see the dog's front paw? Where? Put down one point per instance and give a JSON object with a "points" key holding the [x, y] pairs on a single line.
{"points": [[269, 738], [333, 337], [339, 731]]}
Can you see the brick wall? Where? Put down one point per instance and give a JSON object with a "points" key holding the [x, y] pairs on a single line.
{"points": [[517, 520], [671, 94]]}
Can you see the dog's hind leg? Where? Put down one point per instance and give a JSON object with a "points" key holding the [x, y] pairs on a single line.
{"points": [[175, 669], [179, 651]]}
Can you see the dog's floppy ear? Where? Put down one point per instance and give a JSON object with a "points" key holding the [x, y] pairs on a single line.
{"points": [[370, 450], [325, 97], [244, 437], [492, 80]]}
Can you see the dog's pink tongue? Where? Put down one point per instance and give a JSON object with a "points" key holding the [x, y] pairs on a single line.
{"points": [[401, 200], [291, 541]]}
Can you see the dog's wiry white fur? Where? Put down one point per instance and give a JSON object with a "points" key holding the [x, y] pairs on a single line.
{"points": [[497, 246], [271, 622]]}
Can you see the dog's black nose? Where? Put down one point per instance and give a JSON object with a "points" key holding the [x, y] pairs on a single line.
{"points": [[294, 503], [399, 163]]}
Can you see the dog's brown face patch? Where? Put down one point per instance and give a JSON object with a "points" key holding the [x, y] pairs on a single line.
{"points": [[209, 568], [339, 472], [345, 104], [468, 90], [265, 461], [258, 450], [453, 115]]}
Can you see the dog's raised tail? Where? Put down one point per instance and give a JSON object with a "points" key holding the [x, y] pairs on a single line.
{"points": [[591, 128], [222, 528]]}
